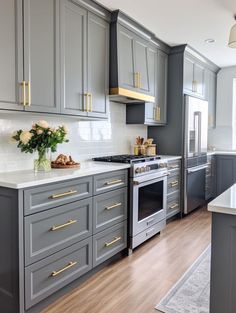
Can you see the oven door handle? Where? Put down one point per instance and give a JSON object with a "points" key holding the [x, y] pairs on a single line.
{"points": [[197, 168]]}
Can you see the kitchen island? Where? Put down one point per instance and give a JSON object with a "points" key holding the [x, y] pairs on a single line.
{"points": [[223, 259]]}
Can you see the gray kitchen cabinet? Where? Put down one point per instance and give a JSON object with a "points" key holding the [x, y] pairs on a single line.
{"points": [[56, 233], [225, 172], [211, 88], [98, 66], [84, 62], [210, 177], [41, 55], [194, 76], [11, 55], [74, 86], [149, 113]]}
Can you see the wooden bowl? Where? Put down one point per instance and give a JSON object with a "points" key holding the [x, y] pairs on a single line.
{"points": [[55, 165]]}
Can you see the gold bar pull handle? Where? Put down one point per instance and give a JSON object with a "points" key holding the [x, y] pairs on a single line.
{"points": [[114, 182], [90, 102], [28, 102], [174, 183], [70, 264], [57, 227], [139, 80], [86, 109], [173, 206], [113, 206], [158, 113], [116, 239], [64, 194], [23, 85], [136, 80]]}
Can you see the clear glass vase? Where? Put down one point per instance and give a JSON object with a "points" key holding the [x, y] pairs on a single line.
{"points": [[43, 162]]}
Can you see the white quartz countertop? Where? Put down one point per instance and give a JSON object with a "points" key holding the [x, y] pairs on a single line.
{"points": [[219, 152], [25, 179], [224, 203]]}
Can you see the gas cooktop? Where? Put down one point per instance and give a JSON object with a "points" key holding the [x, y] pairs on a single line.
{"points": [[127, 158]]}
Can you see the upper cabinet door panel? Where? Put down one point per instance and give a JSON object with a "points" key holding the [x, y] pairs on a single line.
{"points": [[98, 65], [188, 75], [73, 59], [162, 73], [125, 48], [41, 51], [141, 66], [11, 54], [199, 80]]}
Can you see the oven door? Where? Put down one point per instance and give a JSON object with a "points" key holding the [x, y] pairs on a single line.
{"points": [[148, 203]]}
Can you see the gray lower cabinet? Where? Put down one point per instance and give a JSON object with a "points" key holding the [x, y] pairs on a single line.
{"points": [[53, 234], [226, 172], [210, 177], [11, 55], [109, 242], [173, 188], [52, 273]]}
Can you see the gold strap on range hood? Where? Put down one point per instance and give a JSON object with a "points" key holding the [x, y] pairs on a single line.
{"points": [[131, 94]]}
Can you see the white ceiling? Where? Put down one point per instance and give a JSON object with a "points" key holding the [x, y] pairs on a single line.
{"points": [[186, 21]]}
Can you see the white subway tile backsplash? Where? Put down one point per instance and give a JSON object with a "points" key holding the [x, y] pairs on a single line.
{"points": [[87, 138]]}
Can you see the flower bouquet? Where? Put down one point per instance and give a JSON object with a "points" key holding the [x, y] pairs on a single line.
{"points": [[43, 139]]}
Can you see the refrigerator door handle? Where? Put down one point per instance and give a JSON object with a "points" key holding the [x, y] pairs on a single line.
{"points": [[197, 126], [197, 168]]}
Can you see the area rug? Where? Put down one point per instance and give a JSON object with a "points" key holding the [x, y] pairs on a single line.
{"points": [[191, 294]]}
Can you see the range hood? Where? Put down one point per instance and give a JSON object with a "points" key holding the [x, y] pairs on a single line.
{"points": [[122, 95]]}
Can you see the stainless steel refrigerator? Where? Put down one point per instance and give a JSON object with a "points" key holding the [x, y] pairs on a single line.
{"points": [[195, 152]]}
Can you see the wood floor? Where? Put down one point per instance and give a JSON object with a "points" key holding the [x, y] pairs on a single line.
{"points": [[138, 282]]}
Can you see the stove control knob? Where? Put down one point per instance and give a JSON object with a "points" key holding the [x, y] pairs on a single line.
{"points": [[142, 169], [162, 165], [148, 168], [137, 171]]}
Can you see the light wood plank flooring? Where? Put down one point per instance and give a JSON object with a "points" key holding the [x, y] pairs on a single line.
{"points": [[138, 282]]}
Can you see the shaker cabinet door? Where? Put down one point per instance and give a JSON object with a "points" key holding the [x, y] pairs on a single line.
{"points": [[188, 75], [127, 75], [75, 100], [199, 80], [11, 54], [41, 55], [211, 82], [98, 66], [161, 95]]}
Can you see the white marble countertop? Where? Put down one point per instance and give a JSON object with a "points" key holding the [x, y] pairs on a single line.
{"points": [[221, 152], [25, 179], [224, 203]]}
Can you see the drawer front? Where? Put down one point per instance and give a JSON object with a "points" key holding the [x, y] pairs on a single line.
{"points": [[148, 233], [174, 165], [109, 209], [50, 231], [50, 196], [110, 181], [173, 183], [109, 242], [149, 221], [173, 205], [51, 274]]}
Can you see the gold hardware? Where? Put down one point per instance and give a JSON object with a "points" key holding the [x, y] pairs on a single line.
{"points": [[157, 113], [173, 206], [131, 94], [64, 194], [56, 227], [113, 206], [71, 264], [113, 182], [86, 102], [90, 102], [194, 86], [136, 80], [174, 183], [29, 94], [23, 84], [116, 239]]}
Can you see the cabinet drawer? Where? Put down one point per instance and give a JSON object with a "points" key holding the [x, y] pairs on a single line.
{"points": [[173, 183], [49, 275], [110, 181], [109, 209], [53, 195], [174, 165], [109, 242], [173, 205], [50, 231]]}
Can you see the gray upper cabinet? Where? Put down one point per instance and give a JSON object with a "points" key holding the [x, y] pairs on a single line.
{"points": [[11, 54], [161, 91], [211, 89], [98, 66], [84, 62], [73, 59], [126, 70], [41, 55], [194, 77]]}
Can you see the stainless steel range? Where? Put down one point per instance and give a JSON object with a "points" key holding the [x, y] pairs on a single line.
{"points": [[147, 200]]}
